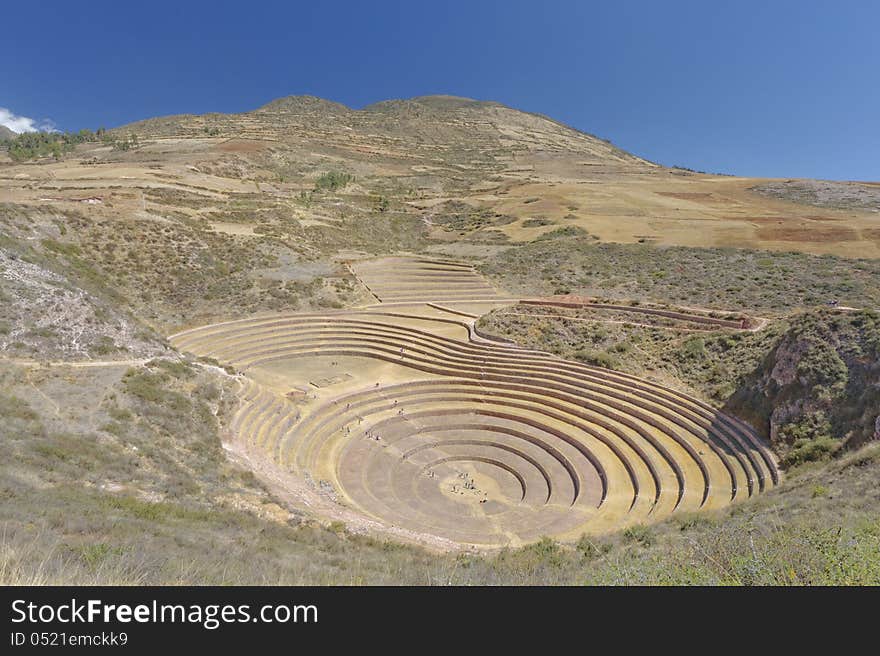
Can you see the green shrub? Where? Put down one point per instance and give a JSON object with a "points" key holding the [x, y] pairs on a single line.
{"points": [[145, 386], [176, 368], [639, 534], [126, 143], [810, 450], [94, 554], [819, 491], [810, 426], [565, 232], [104, 345], [694, 348], [33, 145], [333, 180], [591, 547], [382, 204], [597, 358]]}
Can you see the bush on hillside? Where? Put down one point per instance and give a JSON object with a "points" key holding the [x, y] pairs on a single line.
{"points": [[333, 180]]}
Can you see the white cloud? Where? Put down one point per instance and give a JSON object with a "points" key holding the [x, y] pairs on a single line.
{"points": [[21, 124]]}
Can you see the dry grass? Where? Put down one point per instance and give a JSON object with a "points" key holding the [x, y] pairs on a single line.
{"points": [[721, 278]]}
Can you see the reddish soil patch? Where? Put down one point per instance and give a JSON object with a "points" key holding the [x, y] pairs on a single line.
{"points": [[804, 233], [682, 195], [791, 220]]}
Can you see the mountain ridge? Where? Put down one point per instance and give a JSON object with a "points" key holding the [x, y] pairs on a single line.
{"points": [[429, 118]]}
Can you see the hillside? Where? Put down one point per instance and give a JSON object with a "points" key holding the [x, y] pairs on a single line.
{"points": [[6, 133], [202, 315]]}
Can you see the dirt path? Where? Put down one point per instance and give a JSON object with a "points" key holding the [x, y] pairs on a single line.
{"points": [[24, 362]]}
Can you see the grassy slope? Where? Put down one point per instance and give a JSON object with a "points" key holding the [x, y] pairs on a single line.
{"points": [[730, 279]]}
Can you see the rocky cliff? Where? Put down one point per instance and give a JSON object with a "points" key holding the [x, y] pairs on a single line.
{"points": [[819, 389]]}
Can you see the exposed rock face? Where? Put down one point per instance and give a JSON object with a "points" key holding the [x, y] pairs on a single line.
{"points": [[785, 414], [785, 367], [821, 380], [43, 315], [784, 374]]}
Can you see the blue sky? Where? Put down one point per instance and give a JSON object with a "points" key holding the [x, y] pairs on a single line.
{"points": [[770, 88]]}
